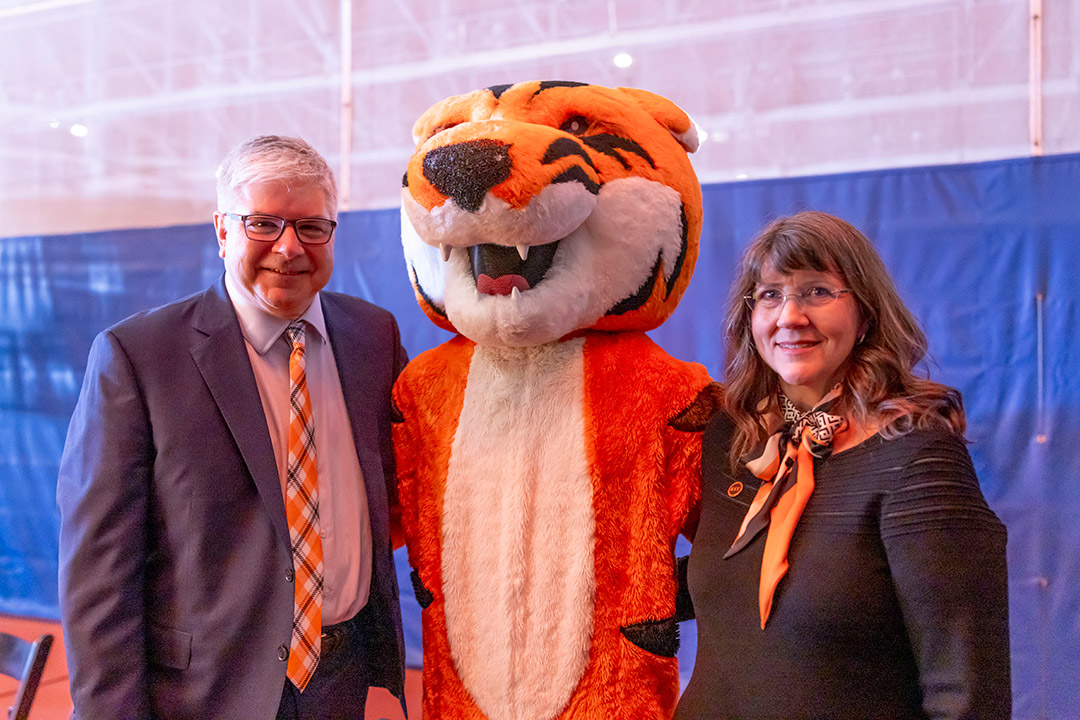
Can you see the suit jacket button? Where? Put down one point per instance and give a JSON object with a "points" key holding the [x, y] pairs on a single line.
{"points": [[283, 653], [289, 575]]}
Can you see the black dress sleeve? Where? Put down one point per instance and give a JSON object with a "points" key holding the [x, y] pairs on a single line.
{"points": [[946, 553]]}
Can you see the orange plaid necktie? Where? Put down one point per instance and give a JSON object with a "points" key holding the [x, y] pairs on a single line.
{"points": [[302, 512]]}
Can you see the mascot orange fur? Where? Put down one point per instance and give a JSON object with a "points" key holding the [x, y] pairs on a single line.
{"points": [[548, 454]]}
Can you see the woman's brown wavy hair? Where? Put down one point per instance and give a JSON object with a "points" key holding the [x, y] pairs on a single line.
{"points": [[879, 384]]}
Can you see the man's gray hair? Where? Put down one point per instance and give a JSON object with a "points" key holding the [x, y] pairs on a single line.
{"points": [[273, 157]]}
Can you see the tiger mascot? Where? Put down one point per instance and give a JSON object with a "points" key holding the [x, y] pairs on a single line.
{"points": [[548, 454]]}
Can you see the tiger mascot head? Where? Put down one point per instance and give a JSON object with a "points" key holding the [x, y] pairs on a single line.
{"points": [[534, 210]]}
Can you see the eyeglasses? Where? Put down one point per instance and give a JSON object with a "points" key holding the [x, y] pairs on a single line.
{"points": [[811, 297], [268, 228]]}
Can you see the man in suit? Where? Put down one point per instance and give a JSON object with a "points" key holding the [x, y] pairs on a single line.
{"points": [[224, 491]]}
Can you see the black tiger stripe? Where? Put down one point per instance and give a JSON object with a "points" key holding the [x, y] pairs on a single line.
{"points": [[577, 174], [565, 147], [549, 84], [683, 247], [639, 298], [424, 296], [614, 146]]}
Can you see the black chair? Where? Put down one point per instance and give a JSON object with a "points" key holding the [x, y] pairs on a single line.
{"points": [[24, 661]]}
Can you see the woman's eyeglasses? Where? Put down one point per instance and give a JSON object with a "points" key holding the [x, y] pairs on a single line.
{"points": [[811, 297]]}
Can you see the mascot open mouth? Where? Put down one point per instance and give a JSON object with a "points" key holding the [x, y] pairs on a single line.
{"points": [[499, 270]]}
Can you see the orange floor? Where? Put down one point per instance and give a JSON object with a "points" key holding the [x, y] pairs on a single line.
{"points": [[53, 701]]}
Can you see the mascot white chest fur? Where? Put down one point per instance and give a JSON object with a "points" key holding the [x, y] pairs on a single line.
{"points": [[548, 454]]}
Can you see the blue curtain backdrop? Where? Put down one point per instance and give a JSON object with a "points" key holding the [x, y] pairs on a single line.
{"points": [[986, 256]]}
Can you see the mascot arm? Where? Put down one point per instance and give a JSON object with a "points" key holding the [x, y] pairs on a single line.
{"points": [[682, 449], [682, 440], [404, 514], [405, 471], [401, 359], [427, 400]]}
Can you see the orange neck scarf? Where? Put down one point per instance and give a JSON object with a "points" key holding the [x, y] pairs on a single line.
{"points": [[786, 468]]}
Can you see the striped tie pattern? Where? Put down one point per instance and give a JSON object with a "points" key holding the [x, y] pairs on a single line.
{"points": [[302, 512]]}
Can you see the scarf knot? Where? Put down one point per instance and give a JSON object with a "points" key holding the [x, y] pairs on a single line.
{"points": [[817, 424], [785, 465]]}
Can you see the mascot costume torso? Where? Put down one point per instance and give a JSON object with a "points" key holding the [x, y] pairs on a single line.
{"points": [[548, 454]]}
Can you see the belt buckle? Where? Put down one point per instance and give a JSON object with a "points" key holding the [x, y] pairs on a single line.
{"points": [[331, 638]]}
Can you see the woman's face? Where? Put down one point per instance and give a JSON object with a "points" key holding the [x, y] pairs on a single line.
{"points": [[806, 346]]}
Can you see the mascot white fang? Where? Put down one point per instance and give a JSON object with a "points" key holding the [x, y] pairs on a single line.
{"points": [[548, 454]]}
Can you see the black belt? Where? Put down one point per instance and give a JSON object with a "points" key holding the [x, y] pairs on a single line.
{"points": [[334, 636]]}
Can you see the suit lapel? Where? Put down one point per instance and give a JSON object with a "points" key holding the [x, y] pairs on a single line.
{"points": [[221, 357], [358, 361]]}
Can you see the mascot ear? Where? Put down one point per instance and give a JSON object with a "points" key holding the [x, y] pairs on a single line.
{"points": [[477, 105], [669, 115]]}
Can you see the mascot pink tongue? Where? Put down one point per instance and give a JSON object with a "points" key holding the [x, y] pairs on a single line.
{"points": [[502, 285], [498, 270], [548, 455]]}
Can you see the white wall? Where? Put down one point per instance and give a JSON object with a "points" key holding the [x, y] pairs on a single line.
{"points": [[782, 87]]}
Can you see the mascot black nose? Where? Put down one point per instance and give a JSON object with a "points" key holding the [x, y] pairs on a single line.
{"points": [[466, 171]]}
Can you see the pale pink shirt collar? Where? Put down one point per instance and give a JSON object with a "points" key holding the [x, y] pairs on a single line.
{"points": [[260, 328]]}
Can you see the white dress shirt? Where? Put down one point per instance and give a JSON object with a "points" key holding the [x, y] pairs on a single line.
{"points": [[343, 510]]}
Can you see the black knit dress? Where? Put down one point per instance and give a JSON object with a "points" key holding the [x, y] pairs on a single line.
{"points": [[895, 604]]}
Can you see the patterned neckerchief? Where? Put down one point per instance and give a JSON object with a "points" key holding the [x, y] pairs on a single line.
{"points": [[817, 421], [785, 466]]}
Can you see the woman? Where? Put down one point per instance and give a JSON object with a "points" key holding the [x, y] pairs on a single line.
{"points": [[846, 564]]}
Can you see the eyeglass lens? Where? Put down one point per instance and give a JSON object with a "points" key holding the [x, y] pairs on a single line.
{"points": [[270, 227], [771, 299]]}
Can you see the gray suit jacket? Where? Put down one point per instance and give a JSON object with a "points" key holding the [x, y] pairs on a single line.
{"points": [[174, 547]]}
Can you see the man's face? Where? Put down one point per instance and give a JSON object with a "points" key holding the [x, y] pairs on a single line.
{"points": [[282, 276]]}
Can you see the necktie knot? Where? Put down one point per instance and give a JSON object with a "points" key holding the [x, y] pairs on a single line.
{"points": [[295, 332]]}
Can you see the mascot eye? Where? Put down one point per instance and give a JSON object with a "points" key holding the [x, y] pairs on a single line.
{"points": [[576, 125]]}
